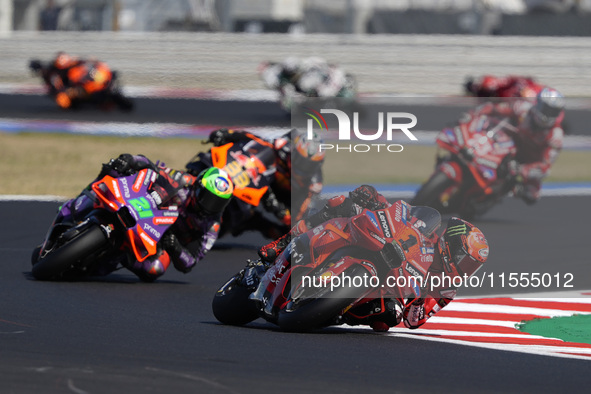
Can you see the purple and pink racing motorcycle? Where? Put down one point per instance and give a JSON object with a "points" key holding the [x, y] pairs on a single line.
{"points": [[111, 222]]}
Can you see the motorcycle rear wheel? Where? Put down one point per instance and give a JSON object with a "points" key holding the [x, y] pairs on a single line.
{"points": [[59, 261], [124, 103], [314, 312], [232, 306], [430, 192]]}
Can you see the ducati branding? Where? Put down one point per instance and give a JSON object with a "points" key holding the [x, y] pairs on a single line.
{"points": [[374, 235]]}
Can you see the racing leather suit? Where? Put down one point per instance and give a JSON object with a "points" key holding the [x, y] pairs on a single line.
{"points": [[509, 86], [537, 148], [278, 198], [70, 83]]}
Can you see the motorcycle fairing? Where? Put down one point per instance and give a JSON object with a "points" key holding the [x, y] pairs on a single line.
{"points": [[144, 220], [245, 170]]}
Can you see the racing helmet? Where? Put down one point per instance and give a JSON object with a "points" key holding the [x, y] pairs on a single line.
{"points": [[213, 190], [547, 108], [291, 65], [63, 60], [462, 247], [306, 156], [488, 86]]}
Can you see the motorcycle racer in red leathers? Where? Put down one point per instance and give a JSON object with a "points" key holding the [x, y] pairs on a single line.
{"points": [[509, 86], [538, 136], [460, 251]]}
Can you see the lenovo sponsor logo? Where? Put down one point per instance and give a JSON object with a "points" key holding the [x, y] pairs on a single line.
{"points": [[413, 271]]}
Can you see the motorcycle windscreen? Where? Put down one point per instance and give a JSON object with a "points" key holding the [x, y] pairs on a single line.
{"points": [[430, 219]]}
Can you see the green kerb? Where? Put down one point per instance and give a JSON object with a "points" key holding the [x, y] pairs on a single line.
{"points": [[575, 328]]}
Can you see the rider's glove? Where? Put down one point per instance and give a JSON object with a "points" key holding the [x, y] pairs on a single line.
{"points": [[181, 259], [515, 172], [366, 196], [285, 217], [219, 137], [270, 251], [169, 243], [122, 164]]}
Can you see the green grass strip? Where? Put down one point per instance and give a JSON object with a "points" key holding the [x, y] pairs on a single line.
{"points": [[575, 328]]}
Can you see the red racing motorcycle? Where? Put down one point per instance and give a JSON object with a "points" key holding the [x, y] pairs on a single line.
{"points": [[474, 164], [334, 267]]}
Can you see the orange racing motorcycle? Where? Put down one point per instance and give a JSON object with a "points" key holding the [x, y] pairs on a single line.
{"points": [[86, 82], [251, 166]]}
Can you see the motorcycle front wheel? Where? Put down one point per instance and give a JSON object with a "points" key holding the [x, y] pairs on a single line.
{"points": [[431, 191], [231, 304], [55, 263], [319, 308]]}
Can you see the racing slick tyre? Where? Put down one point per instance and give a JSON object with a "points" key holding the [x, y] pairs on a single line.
{"points": [[88, 240], [322, 307], [430, 192], [232, 306]]}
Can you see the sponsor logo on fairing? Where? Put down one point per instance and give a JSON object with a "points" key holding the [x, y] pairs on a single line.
{"points": [[384, 224], [427, 258], [371, 268], [373, 219], [413, 271], [459, 136], [125, 187], [116, 188], [400, 213], [152, 230], [156, 197], [317, 229], [161, 221], [486, 162], [374, 235], [139, 180], [146, 238]]}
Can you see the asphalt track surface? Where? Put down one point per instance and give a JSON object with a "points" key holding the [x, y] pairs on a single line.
{"points": [[240, 113], [118, 335]]}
